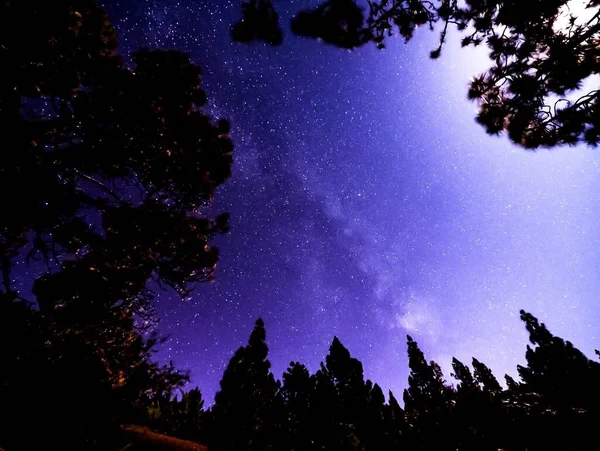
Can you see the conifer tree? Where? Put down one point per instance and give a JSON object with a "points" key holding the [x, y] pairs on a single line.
{"points": [[249, 401], [427, 402], [477, 416], [374, 430], [485, 378], [108, 167], [184, 417], [297, 391], [462, 373], [347, 375], [559, 391], [395, 422], [340, 393]]}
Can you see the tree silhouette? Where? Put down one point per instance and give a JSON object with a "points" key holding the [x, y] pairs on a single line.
{"points": [[259, 21], [76, 383], [339, 397], [128, 146], [532, 91], [485, 378], [559, 390], [376, 421], [249, 402], [427, 402], [478, 416], [108, 169], [337, 22], [346, 373], [395, 421], [183, 417], [297, 391], [554, 406]]}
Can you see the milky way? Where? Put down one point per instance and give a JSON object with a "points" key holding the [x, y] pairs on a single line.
{"points": [[366, 203]]}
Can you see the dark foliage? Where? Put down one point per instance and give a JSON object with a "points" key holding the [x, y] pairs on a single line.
{"points": [[247, 413], [259, 21], [297, 390], [553, 407], [532, 91], [427, 402], [105, 174], [337, 22], [182, 417]]}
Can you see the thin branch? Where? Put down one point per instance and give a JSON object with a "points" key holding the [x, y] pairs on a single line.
{"points": [[99, 184]]}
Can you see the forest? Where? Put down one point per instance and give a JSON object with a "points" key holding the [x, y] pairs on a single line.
{"points": [[553, 405], [110, 166]]}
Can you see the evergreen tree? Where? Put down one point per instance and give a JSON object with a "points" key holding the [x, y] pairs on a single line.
{"points": [[462, 373], [340, 394], [182, 418], [328, 425], [108, 167], [559, 391], [374, 427], [259, 21], [360, 403], [77, 385], [191, 408], [395, 421], [478, 414], [427, 402], [297, 391], [484, 377], [248, 408], [347, 375]]}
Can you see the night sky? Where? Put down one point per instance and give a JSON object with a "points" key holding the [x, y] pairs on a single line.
{"points": [[367, 203]]}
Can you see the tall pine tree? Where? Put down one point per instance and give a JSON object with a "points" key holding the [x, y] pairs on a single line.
{"points": [[247, 410], [427, 401], [297, 391], [560, 391]]}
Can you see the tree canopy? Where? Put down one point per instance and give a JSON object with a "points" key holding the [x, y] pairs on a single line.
{"points": [[106, 175], [534, 89], [553, 406], [106, 172]]}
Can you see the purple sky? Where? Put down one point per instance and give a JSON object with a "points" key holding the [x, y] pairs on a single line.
{"points": [[366, 203]]}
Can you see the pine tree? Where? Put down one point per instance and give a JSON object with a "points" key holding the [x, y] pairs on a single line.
{"points": [[182, 418], [484, 377], [297, 390], [123, 160], [477, 416], [427, 402], [330, 430], [339, 401], [559, 390], [259, 21], [395, 421], [361, 403], [374, 430], [249, 401], [347, 375], [463, 375]]}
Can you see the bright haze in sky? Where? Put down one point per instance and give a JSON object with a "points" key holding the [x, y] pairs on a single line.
{"points": [[367, 203], [577, 9]]}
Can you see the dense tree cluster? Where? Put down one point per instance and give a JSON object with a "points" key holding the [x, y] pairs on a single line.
{"points": [[554, 406], [533, 89], [105, 172]]}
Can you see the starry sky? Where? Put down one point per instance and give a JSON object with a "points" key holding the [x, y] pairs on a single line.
{"points": [[366, 203]]}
